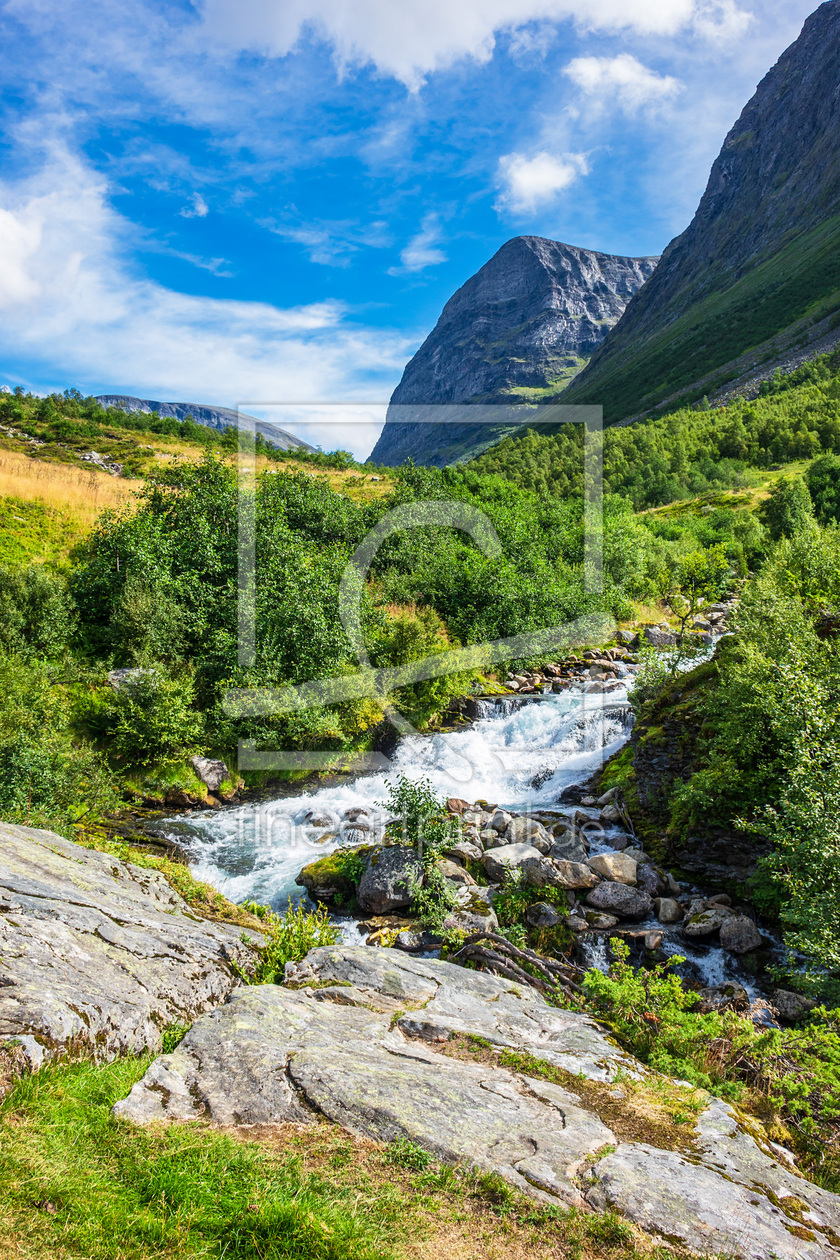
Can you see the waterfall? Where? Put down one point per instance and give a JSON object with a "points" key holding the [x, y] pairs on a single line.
{"points": [[520, 754]]}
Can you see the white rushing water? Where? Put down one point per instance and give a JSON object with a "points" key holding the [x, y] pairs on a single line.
{"points": [[522, 760]]}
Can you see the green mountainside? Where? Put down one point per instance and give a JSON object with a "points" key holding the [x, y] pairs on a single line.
{"points": [[757, 272]]}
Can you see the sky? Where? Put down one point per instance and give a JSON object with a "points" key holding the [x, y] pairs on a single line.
{"points": [[265, 203]]}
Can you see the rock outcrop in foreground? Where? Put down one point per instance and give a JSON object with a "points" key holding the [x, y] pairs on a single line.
{"points": [[100, 955], [360, 1039]]}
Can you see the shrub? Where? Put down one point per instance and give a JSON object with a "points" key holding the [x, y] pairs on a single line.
{"points": [[290, 936], [151, 719]]}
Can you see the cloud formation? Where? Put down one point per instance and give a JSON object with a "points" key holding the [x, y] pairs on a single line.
{"points": [[531, 183], [70, 300], [416, 37], [422, 250], [622, 81], [197, 209]]}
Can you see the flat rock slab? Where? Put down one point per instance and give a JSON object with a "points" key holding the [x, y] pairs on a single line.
{"points": [[357, 1041], [100, 953]]}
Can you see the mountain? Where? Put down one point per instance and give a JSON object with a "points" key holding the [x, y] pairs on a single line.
{"points": [[520, 328], [756, 274], [213, 417]]}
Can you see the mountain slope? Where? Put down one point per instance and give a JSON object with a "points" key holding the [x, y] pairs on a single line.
{"points": [[522, 326], [213, 417], [758, 268]]}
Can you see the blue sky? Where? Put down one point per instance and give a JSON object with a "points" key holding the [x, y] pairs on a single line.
{"points": [[271, 200]]}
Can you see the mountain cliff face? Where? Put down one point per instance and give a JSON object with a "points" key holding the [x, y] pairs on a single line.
{"points": [[214, 417], [758, 269], [521, 327]]}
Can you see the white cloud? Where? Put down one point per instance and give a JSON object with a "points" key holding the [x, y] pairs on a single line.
{"points": [[415, 37], [529, 183], [422, 250], [332, 243], [622, 80], [74, 309], [197, 209]]}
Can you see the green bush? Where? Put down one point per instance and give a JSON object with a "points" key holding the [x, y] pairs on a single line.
{"points": [[788, 508], [151, 718], [36, 612], [290, 936]]}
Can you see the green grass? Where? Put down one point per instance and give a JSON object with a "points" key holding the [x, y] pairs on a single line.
{"points": [[30, 531], [75, 1182]]}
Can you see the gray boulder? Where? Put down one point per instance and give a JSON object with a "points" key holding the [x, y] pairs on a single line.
{"points": [[528, 831], [100, 954], [507, 857], [657, 637], [739, 935], [791, 1006], [620, 899], [542, 915], [356, 1039], [652, 880], [213, 774], [548, 873], [705, 922], [386, 882], [569, 847], [668, 910], [614, 866]]}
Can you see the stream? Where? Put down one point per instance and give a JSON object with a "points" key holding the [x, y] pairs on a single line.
{"points": [[519, 754]]}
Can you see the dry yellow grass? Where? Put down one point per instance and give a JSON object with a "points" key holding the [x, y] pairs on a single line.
{"points": [[80, 494]]}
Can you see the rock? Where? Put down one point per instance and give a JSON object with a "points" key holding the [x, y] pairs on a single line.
{"points": [[626, 902], [488, 836], [653, 940], [386, 882], [507, 857], [667, 910], [600, 922], [652, 880], [611, 815], [413, 942], [791, 1006], [452, 871], [179, 798], [625, 636], [576, 924], [542, 872], [608, 797], [726, 996], [500, 821], [542, 915], [614, 866], [98, 954], [657, 637], [475, 915], [120, 679], [529, 831], [739, 934], [356, 1040], [455, 805], [617, 842], [720, 899], [704, 922], [568, 847], [463, 851], [317, 821], [213, 773]]}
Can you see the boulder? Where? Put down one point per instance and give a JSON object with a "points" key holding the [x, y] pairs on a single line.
{"points": [[611, 815], [657, 637], [705, 922], [463, 851], [739, 934], [386, 883], [356, 1038], [507, 857], [454, 872], [543, 872], [180, 798], [620, 899], [213, 773], [568, 847], [488, 836], [98, 955], [652, 880], [542, 915], [528, 831], [626, 637], [614, 866], [415, 942], [455, 805], [791, 1006], [668, 910], [500, 821], [726, 996], [600, 922]]}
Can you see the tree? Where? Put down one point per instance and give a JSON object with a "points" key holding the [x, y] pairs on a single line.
{"points": [[788, 509], [823, 481]]}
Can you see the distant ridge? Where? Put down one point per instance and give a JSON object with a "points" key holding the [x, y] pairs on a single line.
{"points": [[213, 417], [522, 327], [756, 274]]}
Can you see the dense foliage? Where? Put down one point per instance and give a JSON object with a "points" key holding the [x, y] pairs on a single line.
{"points": [[691, 451]]}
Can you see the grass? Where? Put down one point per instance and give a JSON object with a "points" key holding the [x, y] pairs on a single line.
{"points": [[74, 1182], [46, 507]]}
